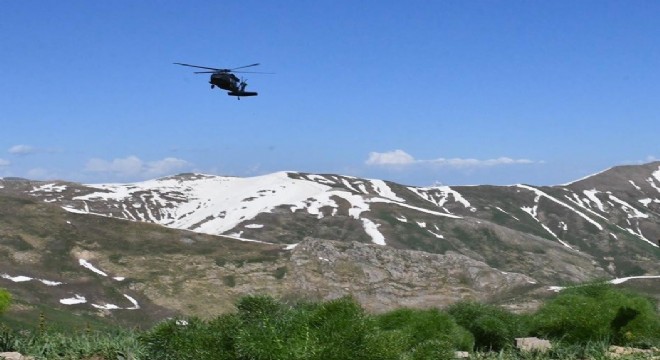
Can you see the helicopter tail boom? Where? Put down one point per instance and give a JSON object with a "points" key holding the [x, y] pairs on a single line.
{"points": [[242, 93]]}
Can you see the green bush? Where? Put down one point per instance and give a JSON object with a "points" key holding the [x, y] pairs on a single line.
{"points": [[83, 345], [599, 312], [342, 328], [336, 329], [432, 350], [271, 330], [5, 300], [177, 339], [493, 328], [384, 345], [430, 327]]}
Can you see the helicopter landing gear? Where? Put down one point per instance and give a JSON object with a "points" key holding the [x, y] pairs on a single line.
{"points": [[212, 86]]}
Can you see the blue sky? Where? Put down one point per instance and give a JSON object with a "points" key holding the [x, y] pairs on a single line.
{"points": [[416, 92]]}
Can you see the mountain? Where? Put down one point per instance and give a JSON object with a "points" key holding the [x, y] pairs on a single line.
{"points": [[193, 243]]}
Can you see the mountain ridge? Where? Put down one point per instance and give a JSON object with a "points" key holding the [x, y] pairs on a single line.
{"points": [[600, 227]]}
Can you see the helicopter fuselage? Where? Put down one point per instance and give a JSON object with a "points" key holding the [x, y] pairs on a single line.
{"points": [[230, 82]]}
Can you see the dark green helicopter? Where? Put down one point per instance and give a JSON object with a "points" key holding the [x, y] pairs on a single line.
{"points": [[226, 80]]}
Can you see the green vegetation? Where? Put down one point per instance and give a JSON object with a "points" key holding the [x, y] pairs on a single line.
{"points": [[492, 327], [582, 323], [599, 312], [5, 299], [280, 272], [65, 345]]}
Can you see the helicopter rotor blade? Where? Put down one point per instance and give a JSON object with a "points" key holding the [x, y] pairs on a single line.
{"points": [[200, 67], [245, 66], [252, 72], [204, 72]]}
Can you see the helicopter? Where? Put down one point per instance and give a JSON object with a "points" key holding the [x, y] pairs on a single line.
{"points": [[226, 80]]}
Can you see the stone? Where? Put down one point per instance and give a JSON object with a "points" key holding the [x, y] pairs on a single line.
{"points": [[532, 344], [619, 351], [14, 356], [461, 355]]}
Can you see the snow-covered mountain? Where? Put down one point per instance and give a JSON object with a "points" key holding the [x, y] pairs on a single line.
{"points": [[603, 226], [219, 205], [619, 200]]}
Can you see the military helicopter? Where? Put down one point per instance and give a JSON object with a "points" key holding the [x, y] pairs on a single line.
{"points": [[226, 80]]}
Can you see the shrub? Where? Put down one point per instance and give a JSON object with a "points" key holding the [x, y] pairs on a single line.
{"points": [[271, 330], [432, 349], [599, 312], [8, 339], [87, 345], [383, 345], [430, 327], [342, 326], [337, 329], [492, 327], [5, 300], [188, 339]]}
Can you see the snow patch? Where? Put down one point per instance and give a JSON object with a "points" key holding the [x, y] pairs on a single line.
{"points": [[502, 210], [591, 195], [439, 195], [77, 299], [622, 280], [371, 229], [635, 185], [385, 191], [381, 200], [48, 188], [646, 202], [290, 246], [541, 193], [630, 210], [439, 236], [86, 264], [22, 278]]}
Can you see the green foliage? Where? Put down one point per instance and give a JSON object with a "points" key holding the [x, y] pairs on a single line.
{"points": [[85, 345], [271, 330], [5, 300], [264, 328], [190, 339], [599, 312], [8, 339], [432, 349], [342, 328], [582, 320], [280, 272], [492, 327], [426, 326]]}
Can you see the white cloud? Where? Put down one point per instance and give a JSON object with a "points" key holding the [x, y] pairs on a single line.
{"points": [[165, 166], [398, 158], [134, 167], [22, 150], [4, 162]]}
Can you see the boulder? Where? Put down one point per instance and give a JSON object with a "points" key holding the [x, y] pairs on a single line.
{"points": [[14, 356], [532, 344]]}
